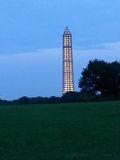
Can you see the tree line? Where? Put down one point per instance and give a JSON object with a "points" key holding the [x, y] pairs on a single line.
{"points": [[99, 81]]}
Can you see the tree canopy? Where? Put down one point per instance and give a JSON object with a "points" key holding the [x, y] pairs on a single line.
{"points": [[100, 77]]}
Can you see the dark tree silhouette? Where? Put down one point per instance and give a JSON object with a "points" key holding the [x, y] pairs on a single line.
{"points": [[101, 77]]}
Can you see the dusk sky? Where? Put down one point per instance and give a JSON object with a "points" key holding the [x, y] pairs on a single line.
{"points": [[31, 42]]}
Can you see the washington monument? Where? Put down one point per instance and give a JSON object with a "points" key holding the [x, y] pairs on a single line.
{"points": [[68, 79]]}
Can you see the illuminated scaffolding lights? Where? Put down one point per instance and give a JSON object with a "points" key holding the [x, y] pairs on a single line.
{"points": [[68, 79]]}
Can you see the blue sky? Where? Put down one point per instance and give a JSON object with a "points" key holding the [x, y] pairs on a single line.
{"points": [[31, 42]]}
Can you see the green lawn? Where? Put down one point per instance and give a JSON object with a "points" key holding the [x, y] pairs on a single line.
{"points": [[85, 131]]}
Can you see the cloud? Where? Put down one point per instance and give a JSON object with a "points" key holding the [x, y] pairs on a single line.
{"points": [[31, 74], [39, 73], [111, 46]]}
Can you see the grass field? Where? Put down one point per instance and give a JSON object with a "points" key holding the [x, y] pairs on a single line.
{"points": [[86, 131]]}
